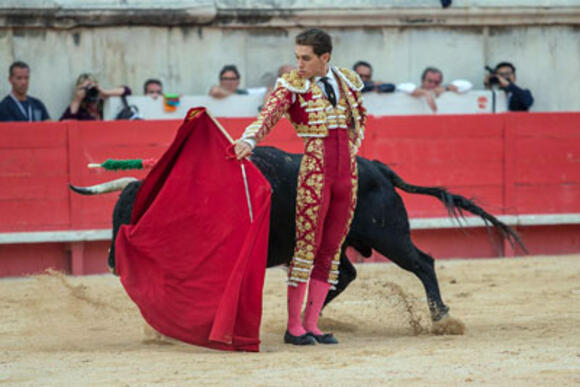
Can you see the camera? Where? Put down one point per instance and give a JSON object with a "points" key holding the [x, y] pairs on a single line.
{"points": [[91, 94], [492, 79]]}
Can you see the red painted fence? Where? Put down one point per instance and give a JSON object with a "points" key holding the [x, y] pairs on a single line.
{"points": [[511, 164]]}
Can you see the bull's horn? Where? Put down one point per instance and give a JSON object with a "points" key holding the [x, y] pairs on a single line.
{"points": [[109, 186]]}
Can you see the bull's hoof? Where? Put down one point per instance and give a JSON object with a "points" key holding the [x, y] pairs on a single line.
{"points": [[438, 313], [448, 326], [325, 338], [305, 339]]}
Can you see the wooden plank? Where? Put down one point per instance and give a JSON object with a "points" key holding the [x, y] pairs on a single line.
{"points": [[552, 125], [39, 188], [446, 126], [449, 173], [32, 135], [548, 160], [20, 260], [34, 214], [34, 161], [547, 198], [545, 162]]}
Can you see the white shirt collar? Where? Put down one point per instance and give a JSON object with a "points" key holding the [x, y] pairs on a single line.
{"points": [[331, 80], [329, 74]]}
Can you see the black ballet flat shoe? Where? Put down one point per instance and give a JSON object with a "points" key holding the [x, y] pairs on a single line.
{"points": [[325, 338], [305, 339]]}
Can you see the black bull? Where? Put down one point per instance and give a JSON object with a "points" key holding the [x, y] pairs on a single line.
{"points": [[380, 220]]}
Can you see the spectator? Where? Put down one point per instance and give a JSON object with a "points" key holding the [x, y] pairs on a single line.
{"points": [[365, 72], [87, 103], [505, 76], [285, 68], [229, 83], [18, 105], [432, 86], [153, 88]]}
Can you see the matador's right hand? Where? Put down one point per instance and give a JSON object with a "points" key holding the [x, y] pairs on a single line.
{"points": [[242, 149]]}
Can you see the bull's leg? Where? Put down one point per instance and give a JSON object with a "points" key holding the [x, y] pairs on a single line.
{"points": [[422, 265], [347, 273], [429, 279]]}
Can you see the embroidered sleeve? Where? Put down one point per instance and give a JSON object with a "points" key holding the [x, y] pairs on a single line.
{"points": [[357, 136], [275, 107], [363, 113]]}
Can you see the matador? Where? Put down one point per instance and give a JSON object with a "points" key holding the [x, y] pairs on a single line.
{"points": [[324, 105]]}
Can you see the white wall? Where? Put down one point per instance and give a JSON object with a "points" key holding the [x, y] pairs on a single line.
{"points": [[188, 58]]}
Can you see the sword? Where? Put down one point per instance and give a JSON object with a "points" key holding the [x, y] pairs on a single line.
{"points": [[244, 176], [247, 191]]}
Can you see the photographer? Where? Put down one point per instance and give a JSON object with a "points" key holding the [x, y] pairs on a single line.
{"points": [[504, 76], [87, 103]]}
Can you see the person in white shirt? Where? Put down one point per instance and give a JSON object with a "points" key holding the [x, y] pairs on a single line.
{"points": [[432, 87]]}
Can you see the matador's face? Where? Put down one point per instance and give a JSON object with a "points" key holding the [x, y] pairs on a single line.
{"points": [[309, 64]]}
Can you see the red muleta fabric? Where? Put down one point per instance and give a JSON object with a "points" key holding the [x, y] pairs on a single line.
{"points": [[191, 259]]}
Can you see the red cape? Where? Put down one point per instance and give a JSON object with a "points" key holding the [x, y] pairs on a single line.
{"points": [[191, 259]]}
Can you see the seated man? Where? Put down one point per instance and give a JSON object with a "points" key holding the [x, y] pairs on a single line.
{"points": [[519, 100], [432, 86], [153, 88], [229, 83], [18, 105], [285, 68], [365, 72]]}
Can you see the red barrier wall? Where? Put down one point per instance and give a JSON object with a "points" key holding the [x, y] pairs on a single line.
{"points": [[515, 163]]}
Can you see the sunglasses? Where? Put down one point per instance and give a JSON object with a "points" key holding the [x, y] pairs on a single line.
{"points": [[229, 79]]}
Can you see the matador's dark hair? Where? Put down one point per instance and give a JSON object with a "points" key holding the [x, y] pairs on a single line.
{"points": [[319, 40]]}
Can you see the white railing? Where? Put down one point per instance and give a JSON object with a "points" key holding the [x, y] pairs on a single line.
{"points": [[389, 104]]}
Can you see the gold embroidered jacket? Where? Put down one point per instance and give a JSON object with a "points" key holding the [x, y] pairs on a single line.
{"points": [[312, 115]]}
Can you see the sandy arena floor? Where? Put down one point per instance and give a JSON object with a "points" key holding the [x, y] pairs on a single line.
{"points": [[522, 319]]}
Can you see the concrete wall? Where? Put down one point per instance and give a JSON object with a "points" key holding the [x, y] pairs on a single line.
{"points": [[186, 56]]}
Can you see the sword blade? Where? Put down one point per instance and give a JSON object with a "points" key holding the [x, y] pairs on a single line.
{"points": [[247, 191]]}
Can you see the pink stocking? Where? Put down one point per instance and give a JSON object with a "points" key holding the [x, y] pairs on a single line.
{"points": [[317, 292], [295, 300]]}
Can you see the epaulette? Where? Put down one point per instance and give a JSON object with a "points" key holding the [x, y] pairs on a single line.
{"points": [[350, 77], [293, 82]]}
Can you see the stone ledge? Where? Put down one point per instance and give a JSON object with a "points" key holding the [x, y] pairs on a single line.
{"points": [[208, 15], [396, 17]]}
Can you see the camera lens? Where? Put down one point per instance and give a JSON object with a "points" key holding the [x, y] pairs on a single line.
{"points": [[91, 94]]}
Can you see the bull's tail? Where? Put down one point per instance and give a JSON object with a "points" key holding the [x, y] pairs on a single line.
{"points": [[455, 204], [109, 186]]}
